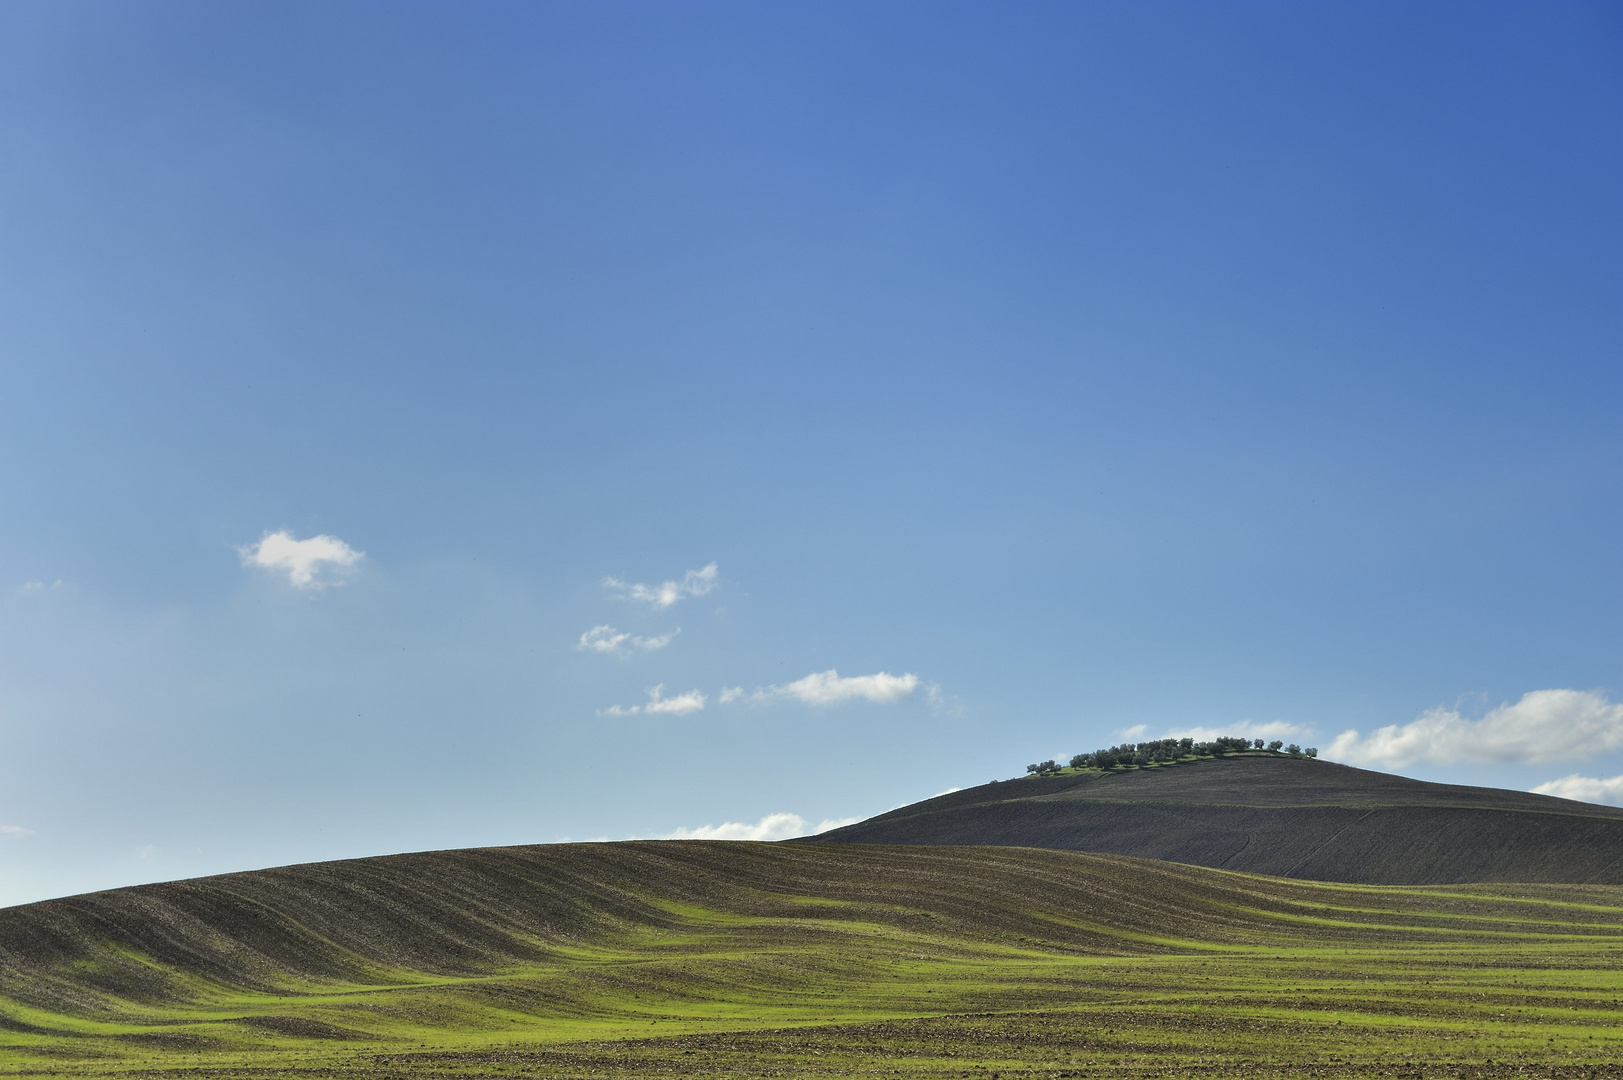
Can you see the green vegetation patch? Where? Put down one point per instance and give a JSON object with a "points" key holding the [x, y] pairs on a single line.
{"points": [[711, 959]]}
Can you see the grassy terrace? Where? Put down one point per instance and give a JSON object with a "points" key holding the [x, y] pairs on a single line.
{"points": [[707, 959]]}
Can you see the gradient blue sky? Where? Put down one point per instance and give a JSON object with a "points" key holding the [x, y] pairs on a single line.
{"points": [[1103, 367]]}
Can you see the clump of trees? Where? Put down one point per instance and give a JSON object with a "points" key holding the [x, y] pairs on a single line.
{"points": [[1160, 751]]}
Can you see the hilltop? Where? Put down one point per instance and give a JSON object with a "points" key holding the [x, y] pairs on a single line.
{"points": [[710, 959], [1274, 814]]}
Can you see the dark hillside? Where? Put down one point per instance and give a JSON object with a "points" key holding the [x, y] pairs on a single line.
{"points": [[756, 961], [1269, 814], [462, 913]]}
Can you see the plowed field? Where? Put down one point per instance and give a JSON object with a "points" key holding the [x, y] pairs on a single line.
{"points": [[686, 958], [1272, 814]]}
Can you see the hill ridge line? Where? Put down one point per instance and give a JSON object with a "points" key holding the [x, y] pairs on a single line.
{"points": [[1276, 815]]}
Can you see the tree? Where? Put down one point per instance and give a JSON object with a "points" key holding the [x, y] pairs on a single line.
{"points": [[1275, 745], [1293, 750], [1257, 743], [1312, 751]]}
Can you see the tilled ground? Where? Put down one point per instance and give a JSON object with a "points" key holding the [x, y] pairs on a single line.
{"points": [[984, 1047], [740, 960]]}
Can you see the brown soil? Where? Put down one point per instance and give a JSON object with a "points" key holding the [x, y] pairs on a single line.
{"points": [[1291, 817]]}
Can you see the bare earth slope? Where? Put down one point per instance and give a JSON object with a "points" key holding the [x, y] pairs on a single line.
{"points": [[460, 913], [1267, 814], [704, 960]]}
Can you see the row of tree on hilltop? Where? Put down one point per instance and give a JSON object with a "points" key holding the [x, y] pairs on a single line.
{"points": [[1163, 750]]}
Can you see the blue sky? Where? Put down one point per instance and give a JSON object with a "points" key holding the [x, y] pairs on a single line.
{"points": [[1046, 371]]}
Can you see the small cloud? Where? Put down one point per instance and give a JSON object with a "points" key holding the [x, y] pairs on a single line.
{"points": [[771, 827], [1132, 734], [949, 791], [304, 561], [1250, 729], [145, 851], [603, 638], [1585, 789], [666, 593], [940, 703], [15, 830], [834, 823], [606, 639], [730, 694], [680, 705], [1545, 725], [35, 588], [830, 688]]}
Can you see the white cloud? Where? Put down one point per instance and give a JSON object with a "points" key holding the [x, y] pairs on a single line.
{"points": [[940, 703], [693, 583], [1585, 789], [730, 693], [680, 705], [1250, 729], [658, 704], [15, 830], [829, 688], [603, 638], [772, 827], [304, 561], [34, 588], [1545, 725], [606, 639]]}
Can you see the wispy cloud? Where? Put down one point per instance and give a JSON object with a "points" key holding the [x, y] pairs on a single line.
{"points": [[680, 705], [659, 704], [829, 687], [819, 689], [15, 830], [1545, 725], [308, 564], [606, 639], [666, 593], [941, 703], [1250, 729], [770, 827], [1585, 789], [35, 588]]}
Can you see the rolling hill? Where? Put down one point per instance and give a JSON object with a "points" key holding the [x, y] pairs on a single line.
{"points": [[1278, 815], [710, 959]]}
